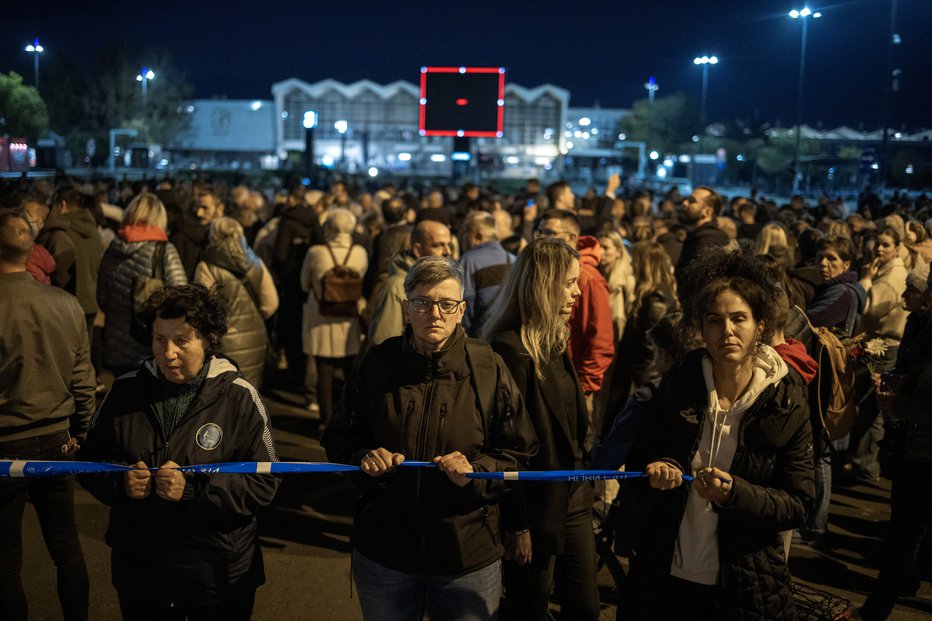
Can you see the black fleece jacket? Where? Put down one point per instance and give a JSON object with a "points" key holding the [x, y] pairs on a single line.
{"points": [[204, 548]]}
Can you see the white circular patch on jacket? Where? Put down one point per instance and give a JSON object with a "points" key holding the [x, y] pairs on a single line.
{"points": [[208, 436]]}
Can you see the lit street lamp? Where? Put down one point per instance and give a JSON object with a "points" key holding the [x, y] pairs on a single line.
{"points": [[35, 49], [704, 62], [309, 122], [652, 87], [341, 126], [144, 76], [803, 15]]}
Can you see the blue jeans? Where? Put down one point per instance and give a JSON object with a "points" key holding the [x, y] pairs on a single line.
{"points": [[817, 525], [389, 595], [53, 498]]}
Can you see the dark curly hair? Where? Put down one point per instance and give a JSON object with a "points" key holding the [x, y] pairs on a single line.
{"points": [[720, 270], [206, 311]]}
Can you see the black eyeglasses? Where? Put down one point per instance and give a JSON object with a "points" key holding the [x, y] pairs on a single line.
{"points": [[425, 305]]}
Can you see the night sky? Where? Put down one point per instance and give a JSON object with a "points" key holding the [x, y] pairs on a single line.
{"points": [[602, 51]]}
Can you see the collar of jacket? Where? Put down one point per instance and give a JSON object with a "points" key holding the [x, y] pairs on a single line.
{"points": [[450, 359], [221, 371]]}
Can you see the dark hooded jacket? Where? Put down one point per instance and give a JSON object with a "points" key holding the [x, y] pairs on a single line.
{"points": [[415, 520], [803, 280], [88, 252], [54, 236], [699, 241], [774, 490], [205, 548], [190, 239]]}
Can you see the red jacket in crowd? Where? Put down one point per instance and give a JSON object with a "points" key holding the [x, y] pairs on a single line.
{"points": [[592, 336]]}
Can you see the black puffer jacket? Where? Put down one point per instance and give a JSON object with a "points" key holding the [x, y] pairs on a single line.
{"points": [[204, 548], [774, 490], [416, 520], [240, 280], [190, 239], [123, 262]]}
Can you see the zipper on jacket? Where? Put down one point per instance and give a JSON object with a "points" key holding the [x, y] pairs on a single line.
{"points": [[443, 416], [424, 425], [404, 424]]}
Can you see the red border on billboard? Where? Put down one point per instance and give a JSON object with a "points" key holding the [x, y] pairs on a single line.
{"points": [[422, 101]]}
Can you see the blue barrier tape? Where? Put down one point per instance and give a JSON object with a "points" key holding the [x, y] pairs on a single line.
{"points": [[29, 468]]}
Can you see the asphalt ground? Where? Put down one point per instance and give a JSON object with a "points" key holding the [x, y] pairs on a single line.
{"points": [[305, 537]]}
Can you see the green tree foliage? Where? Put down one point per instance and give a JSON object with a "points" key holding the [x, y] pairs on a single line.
{"points": [[21, 107], [117, 101], [87, 102], [775, 156], [664, 125]]}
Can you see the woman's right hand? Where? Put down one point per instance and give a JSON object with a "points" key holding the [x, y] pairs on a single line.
{"points": [[380, 461], [137, 482], [518, 547], [662, 475]]}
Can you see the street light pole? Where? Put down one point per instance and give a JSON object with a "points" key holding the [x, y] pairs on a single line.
{"points": [[309, 122], [341, 126], [801, 14], [144, 76], [891, 78], [704, 62], [35, 49], [652, 87]]}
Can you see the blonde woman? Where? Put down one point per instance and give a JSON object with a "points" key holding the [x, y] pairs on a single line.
{"points": [[616, 266], [547, 523], [130, 256], [772, 240]]}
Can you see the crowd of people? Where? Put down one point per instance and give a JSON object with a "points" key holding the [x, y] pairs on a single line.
{"points": [[483, 331]]}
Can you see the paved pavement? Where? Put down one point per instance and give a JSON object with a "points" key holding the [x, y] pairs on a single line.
{"points": [[305, 540]]}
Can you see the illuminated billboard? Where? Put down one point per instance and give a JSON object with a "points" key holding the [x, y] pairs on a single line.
{"points": [[462, 101]]}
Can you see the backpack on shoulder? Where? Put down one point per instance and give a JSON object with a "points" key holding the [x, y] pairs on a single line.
{"points": [[340, 289], [831, 393]]}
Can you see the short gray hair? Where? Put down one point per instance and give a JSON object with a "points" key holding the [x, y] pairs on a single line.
{"points": [[431, 271], [340, 220]]}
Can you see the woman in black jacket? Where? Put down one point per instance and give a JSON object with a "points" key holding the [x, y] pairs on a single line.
{"points": [[546, 523], [183, 544], [732, 416]]}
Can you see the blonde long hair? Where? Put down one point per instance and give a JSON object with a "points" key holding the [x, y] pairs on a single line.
{"points": [[770, 235], [652, 270], [531, 298]]}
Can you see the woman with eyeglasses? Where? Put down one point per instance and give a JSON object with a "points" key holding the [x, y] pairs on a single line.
{"points": [[546, 524]]}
